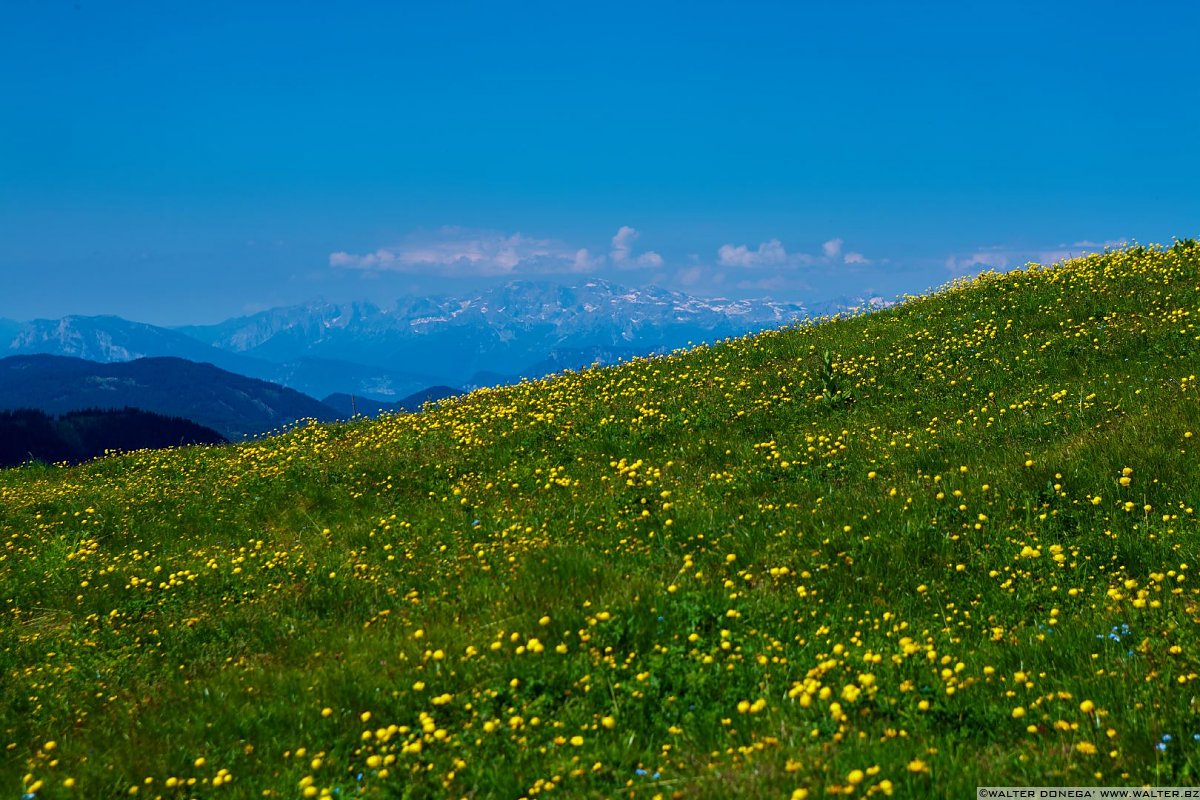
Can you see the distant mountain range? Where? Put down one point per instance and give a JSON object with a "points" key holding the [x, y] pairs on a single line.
{"points": [[231, 404], [109, 339], [520, 329], [505, 330]]}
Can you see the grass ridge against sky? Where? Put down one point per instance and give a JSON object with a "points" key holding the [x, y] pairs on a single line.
{"points": [[903, 553], [185, 163]]}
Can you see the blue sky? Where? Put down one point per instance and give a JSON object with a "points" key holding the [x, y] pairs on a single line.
{"points": [[185, 162]]}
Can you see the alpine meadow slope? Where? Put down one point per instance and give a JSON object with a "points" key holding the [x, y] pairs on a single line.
{"points": [[945, 544]]}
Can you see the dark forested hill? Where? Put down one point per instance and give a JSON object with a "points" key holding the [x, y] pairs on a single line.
{"points": [[29, 435], [231, 404]]}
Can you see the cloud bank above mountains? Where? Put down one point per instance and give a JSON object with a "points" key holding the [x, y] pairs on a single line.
{"points": [[463, 252], [459, 252], [773, 254]]}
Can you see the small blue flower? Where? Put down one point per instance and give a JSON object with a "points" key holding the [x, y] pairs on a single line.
{"points": [[641, 773], [1166, 737], [1196, 737], [1161, 747], [656, 775]]}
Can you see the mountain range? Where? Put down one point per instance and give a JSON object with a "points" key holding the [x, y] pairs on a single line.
{"points": [[518, 330]]}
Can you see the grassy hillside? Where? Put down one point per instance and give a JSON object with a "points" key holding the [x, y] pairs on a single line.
{"points": [[960, 550]]}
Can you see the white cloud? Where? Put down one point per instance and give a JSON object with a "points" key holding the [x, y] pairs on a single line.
{"points": [[583, 262], [977, 261], [464, 252], [622, 243], [460, 251], [768, 254], [343, 259], [690, 276], [1005, 257], [622, 250], [772, 253], [771, 284], [1051, 256]]}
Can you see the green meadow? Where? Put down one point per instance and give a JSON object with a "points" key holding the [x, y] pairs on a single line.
{"points": [[901, 553]]}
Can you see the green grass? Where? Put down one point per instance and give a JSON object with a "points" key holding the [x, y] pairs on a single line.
{"points": [[909, 568]]}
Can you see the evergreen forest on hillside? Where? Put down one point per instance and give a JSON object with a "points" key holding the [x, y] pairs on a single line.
{"points": [[30, 435]]}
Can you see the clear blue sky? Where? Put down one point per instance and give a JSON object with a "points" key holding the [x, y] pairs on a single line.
{"points": [[183, 162]]}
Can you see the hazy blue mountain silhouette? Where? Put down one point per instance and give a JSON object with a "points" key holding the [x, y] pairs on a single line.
{"points": [[231, 404], [318, 377], [349, 405]]}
